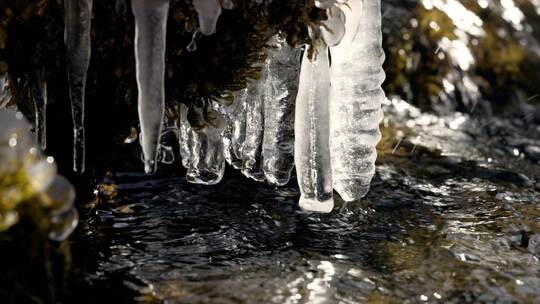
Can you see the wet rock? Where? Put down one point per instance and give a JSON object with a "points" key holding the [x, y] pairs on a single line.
{"points": [[534, 244], [532, 152]]}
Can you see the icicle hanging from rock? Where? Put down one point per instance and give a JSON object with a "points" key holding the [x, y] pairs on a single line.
{"points": [[208, 12], [252, 148], [150, 42], [279, 91], [78, 16], [356, 76], [207, 163], [311, 128], [39, 96]]}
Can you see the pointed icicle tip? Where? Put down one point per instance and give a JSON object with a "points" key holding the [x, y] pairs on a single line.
{"points": [[78, 16], [150, 41]]}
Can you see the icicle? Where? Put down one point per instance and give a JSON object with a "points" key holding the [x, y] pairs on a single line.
{"points": [[280, 88], [333, 28], [238, 136], [227, 4], [355, 99], [235, 119], [252, 149], [184, 137], [150, 35], [207, 164], [311, 128], [39, 95], [208, 12], [78, 15]]}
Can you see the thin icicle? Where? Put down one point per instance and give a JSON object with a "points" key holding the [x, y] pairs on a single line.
{"points": [[208, 12], [78, 15], [355, 99], [184, 136], [150, 42], [39, 95], [280, 87], [311, 126], [252, 149], [207, 163]]}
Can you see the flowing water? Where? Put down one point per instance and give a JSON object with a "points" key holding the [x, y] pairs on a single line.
{"points": [[452, 216]]}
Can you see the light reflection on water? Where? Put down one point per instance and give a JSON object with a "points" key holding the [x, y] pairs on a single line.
{"points": [[433, 228]]}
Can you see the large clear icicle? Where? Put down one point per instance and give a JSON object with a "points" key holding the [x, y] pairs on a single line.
{"points": [[78, 16], [207, 163], [39, 95], [311, 128], [150, 42], [356, 76], [279, 91], [208, 12], [252, 148]]}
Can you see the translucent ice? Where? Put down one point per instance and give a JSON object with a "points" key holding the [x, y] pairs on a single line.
{"points": [[252, 148], [333, 28], [311, 126], [356, 76], [78, 15], [150, 34], [279, 91], [235, 116], [184, 136], [39, 95], [207, 163], [208, 12], [238, 135]]}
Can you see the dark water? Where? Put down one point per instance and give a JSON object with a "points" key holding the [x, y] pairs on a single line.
{"points": [[453, 216]]}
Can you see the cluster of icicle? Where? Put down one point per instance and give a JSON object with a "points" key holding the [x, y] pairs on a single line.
{"points": [[322, 118]]}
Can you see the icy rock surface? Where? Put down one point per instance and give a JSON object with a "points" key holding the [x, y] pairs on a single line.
{"points": [[279, 91], [150, 42], [356, 76], [311, 126], [78, 17]]}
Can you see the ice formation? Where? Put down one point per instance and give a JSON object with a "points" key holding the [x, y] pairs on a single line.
{"points": [[39, 96], [150, 41], [238, 132], [78, 17], [234, 133], [322, 117], [208, 12], [356, 76], [206, 162], [279, 92], [311, 128], [252, 147], [184, 136]]}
